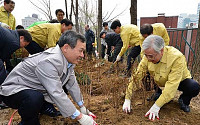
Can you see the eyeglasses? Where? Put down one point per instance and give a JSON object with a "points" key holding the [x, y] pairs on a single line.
{"points": [[151, 56]]}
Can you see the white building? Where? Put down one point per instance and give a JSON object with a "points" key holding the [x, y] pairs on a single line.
{"points": [[30, 20]]}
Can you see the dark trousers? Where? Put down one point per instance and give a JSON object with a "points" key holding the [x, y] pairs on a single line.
{"points": [[89, 48], [29, 103], [190, 89], [33, 48], [135, 51], [103, 49], [118, 47], [2, 72]]}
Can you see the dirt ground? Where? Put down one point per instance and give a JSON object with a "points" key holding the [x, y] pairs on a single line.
{"points": [[105, 97]]}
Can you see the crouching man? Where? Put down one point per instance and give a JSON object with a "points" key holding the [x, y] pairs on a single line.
{"points": [[40, 78], [168, 67]]}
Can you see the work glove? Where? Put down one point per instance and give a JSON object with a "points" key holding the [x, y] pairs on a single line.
{"points": [[118, 58], [87, 120], [4, 25], [153, 112], [127, 106], [106, 57], [87, 112]]}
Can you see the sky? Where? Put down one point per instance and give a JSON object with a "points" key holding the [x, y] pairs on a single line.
{"points": [[145, 8]]}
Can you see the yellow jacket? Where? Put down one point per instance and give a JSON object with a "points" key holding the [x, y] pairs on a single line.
{"points": [[168, 73], [7, 18], [130, 37], [46, 34], [160, 30]]}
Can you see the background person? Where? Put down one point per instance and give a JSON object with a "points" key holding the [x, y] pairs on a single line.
{"points": [[40, 78], [90, 40], [10, 41], [103, 43], [7, 20], [46, 35], [113, 40], [168, 67], [130, 37], [59, 14]]}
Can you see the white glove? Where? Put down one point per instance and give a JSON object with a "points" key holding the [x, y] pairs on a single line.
{"points": [[87, 120], [106, 57], [118, 58], [127, 106], [153, 112], [4, 25], [87, 112]]}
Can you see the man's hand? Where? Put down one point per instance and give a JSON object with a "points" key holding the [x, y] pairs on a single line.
{"points": [[4, 25], [153, 112], [87, 112], [118, 58], [127, 106], [86, 120], [106, 57]]}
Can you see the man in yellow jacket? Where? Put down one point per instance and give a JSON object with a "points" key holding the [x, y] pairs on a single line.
{"points": [[155, 29], [7, 20], [168, 67], [130, 37], [46, 35]]}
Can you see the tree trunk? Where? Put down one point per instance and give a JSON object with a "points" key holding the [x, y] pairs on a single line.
{"points": [[72, 7], [66, 9], [99, 25], [133, 12], [76, 17], [196, 66]]}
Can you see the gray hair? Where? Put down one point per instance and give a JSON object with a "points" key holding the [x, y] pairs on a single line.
{"points": [[70, 37], [153, 41]]}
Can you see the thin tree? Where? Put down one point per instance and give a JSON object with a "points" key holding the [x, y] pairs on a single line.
{"points": [[99, 25], [44, 8], [72, 9], [66, 9], [108, 16], [76, 17], [133, 12]]}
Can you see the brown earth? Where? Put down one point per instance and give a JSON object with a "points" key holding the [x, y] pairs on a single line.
{"points": [[105, 96]]}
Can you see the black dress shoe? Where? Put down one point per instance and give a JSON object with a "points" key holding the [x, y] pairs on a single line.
{"points": [[50, 110], [184, 107], [154, 97]]}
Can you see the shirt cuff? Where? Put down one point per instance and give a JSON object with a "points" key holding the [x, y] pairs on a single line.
{"points": [[80, 103], [76, 113]]}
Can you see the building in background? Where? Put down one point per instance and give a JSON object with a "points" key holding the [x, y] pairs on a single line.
{"points": [[188, 20], [30, 20], [168, 21]]}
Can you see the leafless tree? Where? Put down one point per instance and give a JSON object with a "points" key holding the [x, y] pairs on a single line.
{"points": [[72, 9], [76, 17], [87, 14], [99, 25], [133, 12], [44, 7], [108, 16], [66, 9]]}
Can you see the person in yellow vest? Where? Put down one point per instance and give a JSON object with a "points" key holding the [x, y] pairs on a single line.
{"points": [[155, 29], [168, 67], [46, 35], [7, 20], [130, 37]]}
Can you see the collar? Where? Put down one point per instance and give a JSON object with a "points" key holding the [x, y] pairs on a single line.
{"points": [[164, 57], [66, 64], [3, 9]]}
